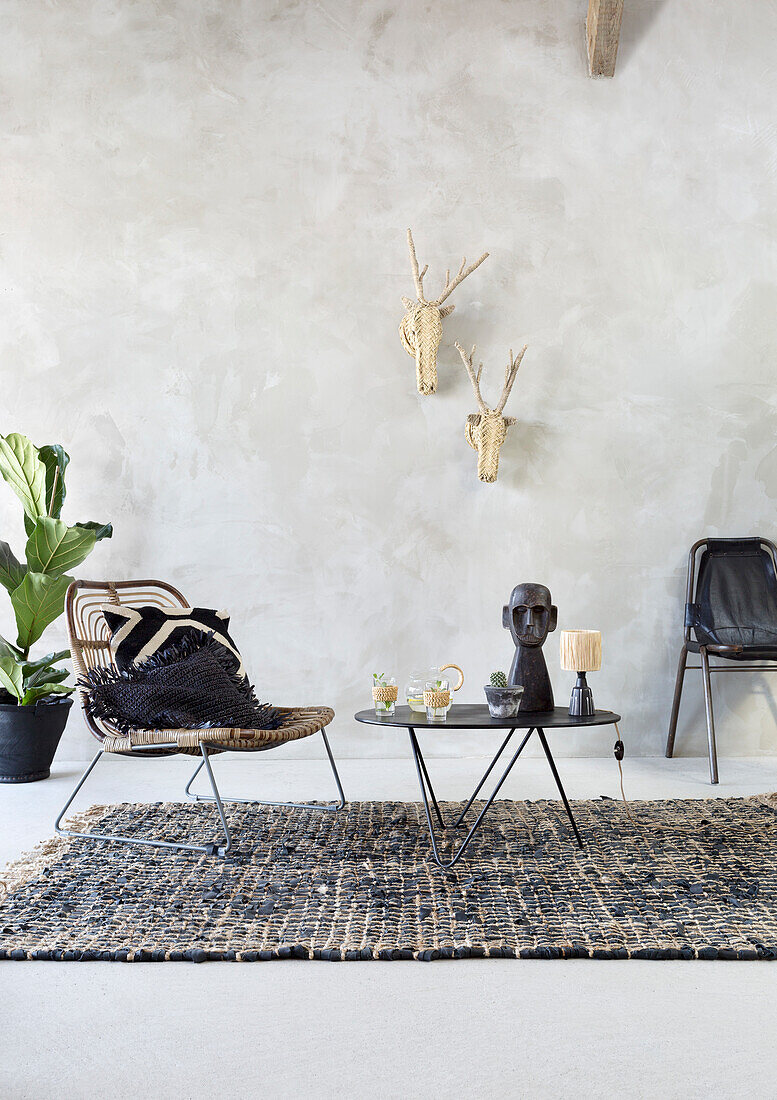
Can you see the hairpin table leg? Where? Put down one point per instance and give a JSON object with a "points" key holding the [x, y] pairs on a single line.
{"points": [[565, 800], [421, 770], [486, 774]]}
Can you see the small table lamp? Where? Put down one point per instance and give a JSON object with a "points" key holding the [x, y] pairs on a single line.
{"points": [[581, 652]]}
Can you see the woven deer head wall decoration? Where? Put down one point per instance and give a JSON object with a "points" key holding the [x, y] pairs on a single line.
{"points": [[486, 430], [421, 327]]}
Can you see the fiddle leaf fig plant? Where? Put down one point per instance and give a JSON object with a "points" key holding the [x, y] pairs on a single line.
{"points": [[37, 587]]}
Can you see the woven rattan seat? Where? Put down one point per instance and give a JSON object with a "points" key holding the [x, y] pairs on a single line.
{"points": [[298, 722], [89, 646]]}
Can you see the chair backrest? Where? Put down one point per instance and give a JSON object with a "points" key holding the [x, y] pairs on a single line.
{"points": [[88, 631], [735, 598]]}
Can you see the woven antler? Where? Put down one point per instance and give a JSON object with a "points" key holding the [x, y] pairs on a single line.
{"points": [[421, 328], [418, 276], [486, 430], [450, 286], [510, 373], [474, 375], [461, 276]]}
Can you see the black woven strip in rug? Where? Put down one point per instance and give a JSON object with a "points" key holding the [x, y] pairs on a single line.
{"points": [[695, 880]]}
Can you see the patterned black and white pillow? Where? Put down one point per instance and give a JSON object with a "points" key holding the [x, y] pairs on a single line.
{"points": [[139, 632]]}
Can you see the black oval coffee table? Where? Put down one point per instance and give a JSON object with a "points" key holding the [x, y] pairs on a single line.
{"points": [[476, 716]]}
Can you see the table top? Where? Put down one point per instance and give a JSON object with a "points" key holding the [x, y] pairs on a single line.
{"points": [[476, 716]]}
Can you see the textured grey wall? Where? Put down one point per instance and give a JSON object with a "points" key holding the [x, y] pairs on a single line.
{"points": [[203, 208]]}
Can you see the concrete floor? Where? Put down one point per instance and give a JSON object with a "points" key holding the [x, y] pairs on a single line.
{"points": [[480, 1028]]}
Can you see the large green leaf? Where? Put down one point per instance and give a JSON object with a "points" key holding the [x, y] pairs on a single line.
{"points": [[45, 662], [55, 458], [8, 650], [42, 690], [47, 676], [101, 530], [53, 547], [37, 602], [43, 671], [11, 676], [22, 468], [11, 571]]}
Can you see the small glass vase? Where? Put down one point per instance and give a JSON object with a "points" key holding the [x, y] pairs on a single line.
{"points": [[384, 696], [437, 699]]}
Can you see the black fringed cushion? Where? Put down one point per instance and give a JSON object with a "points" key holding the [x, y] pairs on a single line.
{"points": [[137, 633], [192, 684]]}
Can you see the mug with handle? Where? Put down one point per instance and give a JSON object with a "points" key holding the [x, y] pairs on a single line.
{"points": [[414, 690], [453, 687]]}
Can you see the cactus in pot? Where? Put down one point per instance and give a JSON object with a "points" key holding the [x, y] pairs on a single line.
{"points": [[504, 700]]}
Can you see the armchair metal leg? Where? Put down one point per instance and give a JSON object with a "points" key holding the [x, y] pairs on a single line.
{"points": [[678, 690], [214, 849], [705, 668], [327, 806]]}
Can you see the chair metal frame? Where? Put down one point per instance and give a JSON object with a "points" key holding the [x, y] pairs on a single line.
{"points": [[91, 648], [725, 652]]}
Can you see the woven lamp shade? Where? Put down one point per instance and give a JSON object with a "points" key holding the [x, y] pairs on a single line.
{"points": [[581, 650]]}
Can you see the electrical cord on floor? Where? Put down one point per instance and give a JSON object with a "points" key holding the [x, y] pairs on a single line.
{"points": [[619, 751]]}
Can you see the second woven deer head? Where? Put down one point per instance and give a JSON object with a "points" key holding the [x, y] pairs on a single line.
{"points": [[421, 327], [486, 430]]}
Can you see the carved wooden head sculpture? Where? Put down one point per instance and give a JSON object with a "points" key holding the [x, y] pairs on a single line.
{"points": [[421, 327], [530, 616], [486, 430]]}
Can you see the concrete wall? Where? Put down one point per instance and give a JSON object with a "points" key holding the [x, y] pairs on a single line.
{"points": [[202, 218]]}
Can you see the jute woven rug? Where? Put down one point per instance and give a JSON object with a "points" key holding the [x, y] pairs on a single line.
{"points": [[693, 880]]}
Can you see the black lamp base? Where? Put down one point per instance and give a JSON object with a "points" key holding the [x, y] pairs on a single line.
{"points": [[582, 701]]}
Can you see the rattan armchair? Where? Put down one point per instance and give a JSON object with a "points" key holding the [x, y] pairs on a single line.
{"points": [[89, 646]]}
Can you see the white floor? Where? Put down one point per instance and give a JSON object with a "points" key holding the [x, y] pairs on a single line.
{"points": [[479, 1028]]}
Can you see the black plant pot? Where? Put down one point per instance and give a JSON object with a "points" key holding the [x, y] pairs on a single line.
{"points": [[28, 739]]}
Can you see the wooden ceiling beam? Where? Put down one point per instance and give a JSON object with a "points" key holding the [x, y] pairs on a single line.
{"points": [[603, 28]]}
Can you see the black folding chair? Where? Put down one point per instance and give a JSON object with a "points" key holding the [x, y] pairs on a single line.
{"points": [[732, 614]]}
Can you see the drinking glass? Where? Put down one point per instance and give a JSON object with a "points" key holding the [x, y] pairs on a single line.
{"points": [[437, 699], [384, 695]]}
